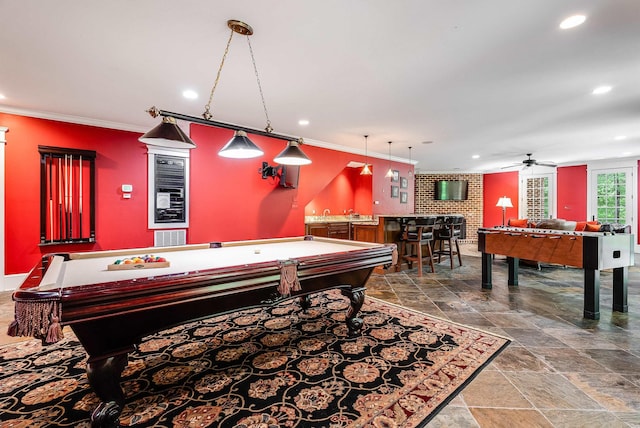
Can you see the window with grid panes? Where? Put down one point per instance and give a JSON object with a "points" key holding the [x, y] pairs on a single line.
{"points": [[611, 198], [537, 197]]}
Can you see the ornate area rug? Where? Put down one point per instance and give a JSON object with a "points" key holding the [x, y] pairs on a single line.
{"points": [[273, 367]]}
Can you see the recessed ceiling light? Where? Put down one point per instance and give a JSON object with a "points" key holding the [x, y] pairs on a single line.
{"points": [[190, 94], [602, 90], [303, 122], [2, 97], [620, 137], [572, 21], [475, 157]]}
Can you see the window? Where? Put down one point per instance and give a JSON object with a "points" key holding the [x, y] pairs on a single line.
{"points": [[537, 195], [613, 195]]}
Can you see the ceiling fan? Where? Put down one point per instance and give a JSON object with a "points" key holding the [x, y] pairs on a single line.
{"points": [[529, 162]]}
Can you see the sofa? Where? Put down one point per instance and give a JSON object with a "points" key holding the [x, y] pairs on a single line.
{"points": [[568, 225]]}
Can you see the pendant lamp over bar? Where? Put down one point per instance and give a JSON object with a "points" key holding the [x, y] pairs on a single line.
{"points": [[390, 172], [292, 155], [365, 169], [240, 146]]}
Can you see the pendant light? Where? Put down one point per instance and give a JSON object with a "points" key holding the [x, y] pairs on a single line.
{"points": [[365, 169], [390, 172], [410, 163], [292, 155], [168, 134], [240, 146]]}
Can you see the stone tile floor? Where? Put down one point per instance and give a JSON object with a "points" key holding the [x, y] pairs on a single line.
{"points": [[561, 370]]}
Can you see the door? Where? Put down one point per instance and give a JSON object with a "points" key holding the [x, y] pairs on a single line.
{"points": [[612, 195], [537, 195]]}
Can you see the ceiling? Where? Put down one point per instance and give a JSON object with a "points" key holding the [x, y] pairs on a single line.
{"points": [[451, 79]]}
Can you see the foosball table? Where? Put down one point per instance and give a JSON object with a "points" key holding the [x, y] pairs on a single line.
{"points": [[591, 251]]}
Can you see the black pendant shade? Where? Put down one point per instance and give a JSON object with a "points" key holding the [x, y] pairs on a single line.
{"points": [[168, 134], [292, 155], [240, 147]]}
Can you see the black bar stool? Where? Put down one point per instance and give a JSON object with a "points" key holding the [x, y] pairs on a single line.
{"points": [[415, 237], [446, 237]]}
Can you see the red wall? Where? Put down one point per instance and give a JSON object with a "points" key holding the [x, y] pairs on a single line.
{"points": [[496, 186], [120, 159], [347, 191], [229, 198], [572, 192]]}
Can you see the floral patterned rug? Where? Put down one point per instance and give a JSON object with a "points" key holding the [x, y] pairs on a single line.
{"points": [[269, 367]]}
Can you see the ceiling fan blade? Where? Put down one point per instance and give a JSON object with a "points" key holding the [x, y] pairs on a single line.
{"points": [[511, 166], [549, 164]]}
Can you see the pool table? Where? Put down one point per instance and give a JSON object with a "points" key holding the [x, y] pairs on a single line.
{"points": [[110, 311]]}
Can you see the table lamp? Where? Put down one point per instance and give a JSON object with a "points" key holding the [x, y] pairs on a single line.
{"points": [[505, 203]]}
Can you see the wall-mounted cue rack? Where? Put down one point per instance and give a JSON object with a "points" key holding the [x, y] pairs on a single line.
{"points": [[67, 195]]}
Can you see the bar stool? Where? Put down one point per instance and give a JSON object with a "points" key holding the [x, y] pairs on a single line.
{"points": [[414, 238], [445, 237]]}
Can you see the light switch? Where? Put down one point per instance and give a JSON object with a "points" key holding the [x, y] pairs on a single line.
{"points": [[127, 188]]}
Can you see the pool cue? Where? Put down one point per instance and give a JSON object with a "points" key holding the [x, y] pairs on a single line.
{"points": [[66, 197], [80, 197], [70, 196], [50, 195], [60, 198]]}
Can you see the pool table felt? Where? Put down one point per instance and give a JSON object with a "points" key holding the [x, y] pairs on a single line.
{"points": [[93, 270]]}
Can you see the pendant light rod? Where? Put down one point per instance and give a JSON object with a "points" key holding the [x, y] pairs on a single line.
{"points": [[155, 112]]}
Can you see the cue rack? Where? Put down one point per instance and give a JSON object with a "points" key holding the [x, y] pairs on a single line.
{"points": [[67, 195]]}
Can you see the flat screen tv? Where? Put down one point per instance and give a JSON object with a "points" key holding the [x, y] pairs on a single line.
{"points": [[451, 190]]}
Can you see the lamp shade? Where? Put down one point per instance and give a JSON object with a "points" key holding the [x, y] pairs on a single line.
{"points": [[292, 155], [240, 147], [504, 202], [366, 170], [168, 134]]}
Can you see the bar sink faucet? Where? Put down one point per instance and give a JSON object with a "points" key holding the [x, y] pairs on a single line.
{"points": [[326, 212]]}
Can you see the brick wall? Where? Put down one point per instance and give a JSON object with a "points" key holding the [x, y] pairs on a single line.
{"points": [[471, 209]]}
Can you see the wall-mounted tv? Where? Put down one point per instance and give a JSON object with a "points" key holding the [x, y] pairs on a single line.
{"points": [[451, 190]]}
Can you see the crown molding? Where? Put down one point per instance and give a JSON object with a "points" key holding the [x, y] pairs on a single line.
{"points": [[72, 119]]}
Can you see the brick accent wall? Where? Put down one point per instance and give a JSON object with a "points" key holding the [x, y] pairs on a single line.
{"points": [[471, 209]]}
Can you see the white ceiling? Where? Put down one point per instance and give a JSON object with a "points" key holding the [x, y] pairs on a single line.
{"points": [[496, 78]]}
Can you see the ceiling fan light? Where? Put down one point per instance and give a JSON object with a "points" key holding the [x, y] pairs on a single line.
{"points": [[292, 155], [240, 147], [168, 134]]}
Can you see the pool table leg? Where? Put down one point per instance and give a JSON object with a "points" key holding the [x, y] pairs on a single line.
{"points": [[104, 376], [356, 296]]}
